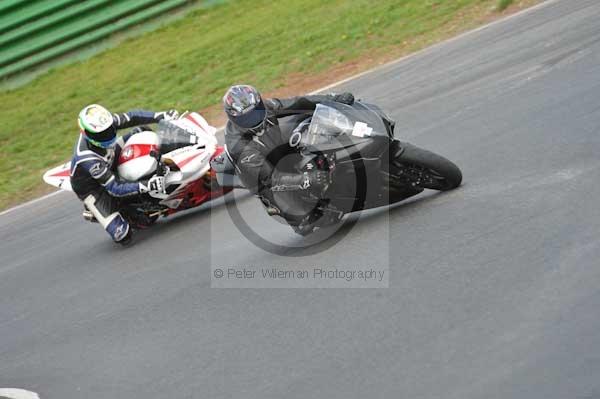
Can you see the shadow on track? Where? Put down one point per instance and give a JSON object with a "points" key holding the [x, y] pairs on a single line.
{"points": [[193, 216], [298, 246], [320, 240]]}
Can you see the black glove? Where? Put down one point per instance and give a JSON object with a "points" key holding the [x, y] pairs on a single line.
{"points": [[139, 129], [316, 181], [313, 181], [344, 98], [167, 115]]}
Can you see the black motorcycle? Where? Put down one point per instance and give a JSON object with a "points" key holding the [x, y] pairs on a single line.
{"points": [[367, 166]]}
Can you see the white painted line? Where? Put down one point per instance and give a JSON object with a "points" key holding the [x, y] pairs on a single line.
{"points": [[361, 74], [52, 194], [14, 393]]}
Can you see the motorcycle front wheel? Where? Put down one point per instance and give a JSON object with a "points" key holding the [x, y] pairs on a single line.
{"points": [[425, 169]]}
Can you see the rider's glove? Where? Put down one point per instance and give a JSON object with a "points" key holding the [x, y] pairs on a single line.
{"points": [[316, 181], [167, 115], [155, 186], [313, 181], [344, 98]]}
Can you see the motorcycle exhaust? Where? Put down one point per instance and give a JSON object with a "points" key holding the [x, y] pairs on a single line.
{"points": [[89, 216]]}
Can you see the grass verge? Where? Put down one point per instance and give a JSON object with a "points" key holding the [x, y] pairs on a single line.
{"points": [[294, 44], [504, 4]]}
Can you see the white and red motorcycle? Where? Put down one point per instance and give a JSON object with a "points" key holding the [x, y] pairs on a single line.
{"points": [[189, 179]]}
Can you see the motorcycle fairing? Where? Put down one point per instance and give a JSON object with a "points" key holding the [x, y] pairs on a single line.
{"points": [[59, 176]]}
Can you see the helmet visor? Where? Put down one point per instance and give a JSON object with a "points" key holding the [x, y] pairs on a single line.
{"points": [[252, 118], [102, 144], [102, 139]]}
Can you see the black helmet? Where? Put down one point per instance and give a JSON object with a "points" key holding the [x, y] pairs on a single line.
{"points": [[245, 108]]}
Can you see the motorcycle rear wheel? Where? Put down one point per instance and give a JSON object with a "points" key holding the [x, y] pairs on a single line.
{"points": [[140, 221]]}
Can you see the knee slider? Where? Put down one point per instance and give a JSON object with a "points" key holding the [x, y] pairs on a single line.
{"points": [[118, 228]]}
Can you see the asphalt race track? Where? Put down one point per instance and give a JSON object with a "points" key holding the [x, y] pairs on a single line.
{"points": [[494, 288]]}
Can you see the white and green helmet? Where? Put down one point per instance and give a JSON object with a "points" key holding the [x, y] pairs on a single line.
{"points": [[97, 126]]}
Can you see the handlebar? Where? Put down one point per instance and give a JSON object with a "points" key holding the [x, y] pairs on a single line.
{"points": [[161, 168]]}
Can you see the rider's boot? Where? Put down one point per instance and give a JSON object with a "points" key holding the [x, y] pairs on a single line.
{"points": [[303, 230], [127, 240]]}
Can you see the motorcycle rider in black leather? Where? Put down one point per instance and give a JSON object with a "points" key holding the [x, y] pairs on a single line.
{"points": [[257, 143], [93, 165]]}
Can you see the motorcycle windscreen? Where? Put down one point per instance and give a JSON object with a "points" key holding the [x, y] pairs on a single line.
{"points": [[183, 132], [332, 121], [173, 136]]}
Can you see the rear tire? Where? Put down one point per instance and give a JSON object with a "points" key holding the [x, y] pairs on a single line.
{"points": [[426, 169], [139, 220]]}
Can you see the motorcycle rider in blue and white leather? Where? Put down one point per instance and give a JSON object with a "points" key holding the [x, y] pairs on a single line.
{"points": [[93, 165]]}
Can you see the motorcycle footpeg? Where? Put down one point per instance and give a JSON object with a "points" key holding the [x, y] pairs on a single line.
{"points": [[89, 216]]}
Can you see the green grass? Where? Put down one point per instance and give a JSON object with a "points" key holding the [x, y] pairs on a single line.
{"points": [[503, 4], [190, 63]]}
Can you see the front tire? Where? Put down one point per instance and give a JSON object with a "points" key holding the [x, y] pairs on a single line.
{"points": [[425, 169]]}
